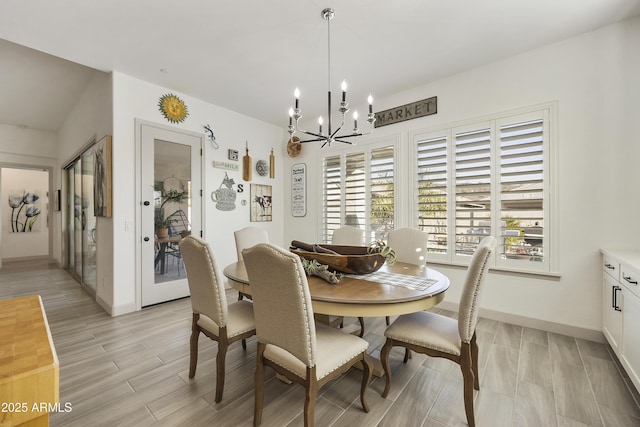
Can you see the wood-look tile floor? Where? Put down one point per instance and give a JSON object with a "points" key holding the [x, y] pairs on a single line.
{"points": [[132, 371]]}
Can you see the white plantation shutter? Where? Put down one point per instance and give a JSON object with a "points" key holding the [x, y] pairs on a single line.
{"points": [[472, 188], [355, 190], [522, 185], [332, 196], [489, 178], [381, 167], [432, 191]]}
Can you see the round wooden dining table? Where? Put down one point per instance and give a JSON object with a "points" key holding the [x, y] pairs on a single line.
{"points": [[395, 289]]}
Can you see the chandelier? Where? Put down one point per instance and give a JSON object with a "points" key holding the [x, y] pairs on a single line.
{"points": [[331, 135]]}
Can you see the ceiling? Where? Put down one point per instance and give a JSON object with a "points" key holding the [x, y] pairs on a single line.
{"points": [[248, 56]]}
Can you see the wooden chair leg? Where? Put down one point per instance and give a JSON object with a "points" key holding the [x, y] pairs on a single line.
{"points": [[468, 380], [474, 361], [366, 379], [384, 358], [220, 359], [407, 355], [388, 320], [311, 393], [259, 386], [361, 320], [193, 347]]}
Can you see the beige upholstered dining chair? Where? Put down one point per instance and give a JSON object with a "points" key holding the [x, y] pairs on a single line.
{"points": [[409, 244], [348, 235], [245, 238], [351, 236], [212, 316], [249, 236], [440, 336], [288, 339]]}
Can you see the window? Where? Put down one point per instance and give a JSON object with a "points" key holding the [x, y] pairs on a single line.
{"points": [[488, 178], [358, 190]]}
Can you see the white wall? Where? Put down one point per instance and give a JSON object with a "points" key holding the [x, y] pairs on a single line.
{"points": [[594, 79], [18, 245], [136, 99], [27, 146], [90, 120]]}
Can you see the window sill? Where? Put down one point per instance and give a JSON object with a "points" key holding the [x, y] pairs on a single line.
{"points": [[503, 270]]}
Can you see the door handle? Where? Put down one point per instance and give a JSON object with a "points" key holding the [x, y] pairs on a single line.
{"points": [[146, 203], [146, 239]]}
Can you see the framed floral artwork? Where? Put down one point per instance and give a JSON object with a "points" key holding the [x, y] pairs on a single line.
{"points": [[25, 210]]}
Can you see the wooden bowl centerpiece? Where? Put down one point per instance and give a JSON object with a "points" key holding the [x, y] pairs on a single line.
{"points": [[345, 259]]}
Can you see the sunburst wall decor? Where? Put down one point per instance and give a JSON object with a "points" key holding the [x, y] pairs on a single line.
{"points": [[173, 108]]}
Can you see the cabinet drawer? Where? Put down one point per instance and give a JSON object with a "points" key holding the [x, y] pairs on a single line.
{"points": [[611, 266], [630, 277]]}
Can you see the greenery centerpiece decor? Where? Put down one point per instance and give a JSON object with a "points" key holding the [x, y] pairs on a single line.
{"points": [[380, 247]]}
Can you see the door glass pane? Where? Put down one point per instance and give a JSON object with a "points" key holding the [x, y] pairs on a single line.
{"points": [[172, 202], [81, 221], [71, 218], [88, 222], [78, 218]]}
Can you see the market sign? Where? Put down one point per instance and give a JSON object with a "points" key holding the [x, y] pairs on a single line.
{"points": [[426, 107]]}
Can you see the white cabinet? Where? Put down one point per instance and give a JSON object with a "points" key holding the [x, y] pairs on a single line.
{"points": [[621, 308], [611, 310]]}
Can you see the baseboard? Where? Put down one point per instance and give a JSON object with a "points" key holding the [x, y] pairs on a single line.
{"points": [[38, 258], [114, 311], [558, 328]]}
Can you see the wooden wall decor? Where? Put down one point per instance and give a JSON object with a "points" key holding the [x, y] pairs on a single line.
{"points": [[246, 164], [422, 108]]}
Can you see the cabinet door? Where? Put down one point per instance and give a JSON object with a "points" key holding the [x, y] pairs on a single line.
{"points": [[631, 337], [611, 314]]}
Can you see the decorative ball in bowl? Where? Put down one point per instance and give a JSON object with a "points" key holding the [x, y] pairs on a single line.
{"points": [[344, 259]]}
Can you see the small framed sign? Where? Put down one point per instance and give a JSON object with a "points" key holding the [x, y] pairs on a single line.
{"points": [[299, 189]]}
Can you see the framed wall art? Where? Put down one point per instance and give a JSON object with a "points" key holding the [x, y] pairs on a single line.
{"points": [[102, 177], [299, 189], [261, 203], [25, 207]]}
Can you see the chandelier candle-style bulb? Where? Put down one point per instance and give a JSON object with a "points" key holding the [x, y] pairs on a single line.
{"points": [[296, 93], [355, 121], [344, 90], [320, 125], [370, 101]]}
